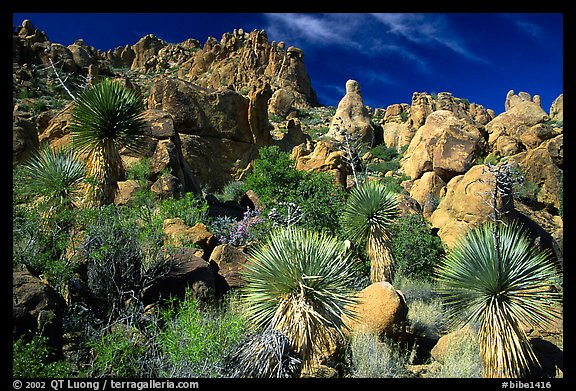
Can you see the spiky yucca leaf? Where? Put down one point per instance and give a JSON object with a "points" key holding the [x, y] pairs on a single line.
{"points": [[107, 111], [368, 217], [503, 289], [106, 118], [56, 174], [299, 283]]}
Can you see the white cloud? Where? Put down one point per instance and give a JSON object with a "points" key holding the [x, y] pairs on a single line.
{"points": [[395, 34], [426, 29]]}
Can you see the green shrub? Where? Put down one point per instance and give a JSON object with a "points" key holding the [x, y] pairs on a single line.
{"points": [[393, 183], [277, 182], [120, 352], [320, 201], [190, 208], [415, 249], [140, 171], [120, 260], [195, 340], [273, 177], [383, 152], [232, 191], [34, 359]]}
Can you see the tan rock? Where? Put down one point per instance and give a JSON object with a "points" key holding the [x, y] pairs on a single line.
{"points": [[426, 191], [445, 144], [229, 262], [557, 108], [381, 309], [325, 157], [178, 234], [465, 205], [448, 341], [516, 120], [126, 191], [352, 116], [540, 166]]}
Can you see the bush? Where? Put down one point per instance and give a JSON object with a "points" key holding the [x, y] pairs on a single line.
{"points": [[237, 233], [34, 359], [232, 191], [277, 183], [273, 176], [371, 358], [120, 261], [415, 249], [195, 340], [121, 352], [190, 208]]}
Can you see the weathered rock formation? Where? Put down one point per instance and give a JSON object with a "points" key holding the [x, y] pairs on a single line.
{"points": [[352, 117], [220, 131], [445, 144]]}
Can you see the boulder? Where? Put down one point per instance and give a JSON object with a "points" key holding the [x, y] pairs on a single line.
{"points": [[513, 123], [448, 341], [167, 186], [24, 138], [465, 205], [229, 262], [293, 137], [146, 47], [177, 234], [427, 192], [259, 96], [168, 157], [445, 144], [189, 272], [281, 102], [542, 167], [324, 157], [218, 139], [381, 310], [36, 307], [352, 116], [557, 109], [126, 191]]}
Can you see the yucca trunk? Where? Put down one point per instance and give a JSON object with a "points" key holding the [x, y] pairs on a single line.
{"points": [[381, 258], [104, 169], [297, 318], [504, 346]]}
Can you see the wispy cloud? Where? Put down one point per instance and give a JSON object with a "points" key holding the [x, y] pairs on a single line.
{"points": [[312, 29], [426, 29]]}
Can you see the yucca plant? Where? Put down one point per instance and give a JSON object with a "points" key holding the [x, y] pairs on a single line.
{"points": [[367, 217], [495, 278], [54, 174], [106, 118], [266, 354], [299, 284]]}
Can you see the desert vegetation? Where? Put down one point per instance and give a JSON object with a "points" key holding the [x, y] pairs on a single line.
{"points": [[305, 256]]}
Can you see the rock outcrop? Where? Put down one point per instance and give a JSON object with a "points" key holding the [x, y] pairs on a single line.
{"points": [[220, 131], [465, 205], [445, 144], [352, 117]]}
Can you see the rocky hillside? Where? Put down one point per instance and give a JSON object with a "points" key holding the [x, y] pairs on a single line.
{"points": [[210, 108]]}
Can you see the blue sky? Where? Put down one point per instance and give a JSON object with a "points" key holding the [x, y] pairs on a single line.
{"points": [[475, 56]]}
